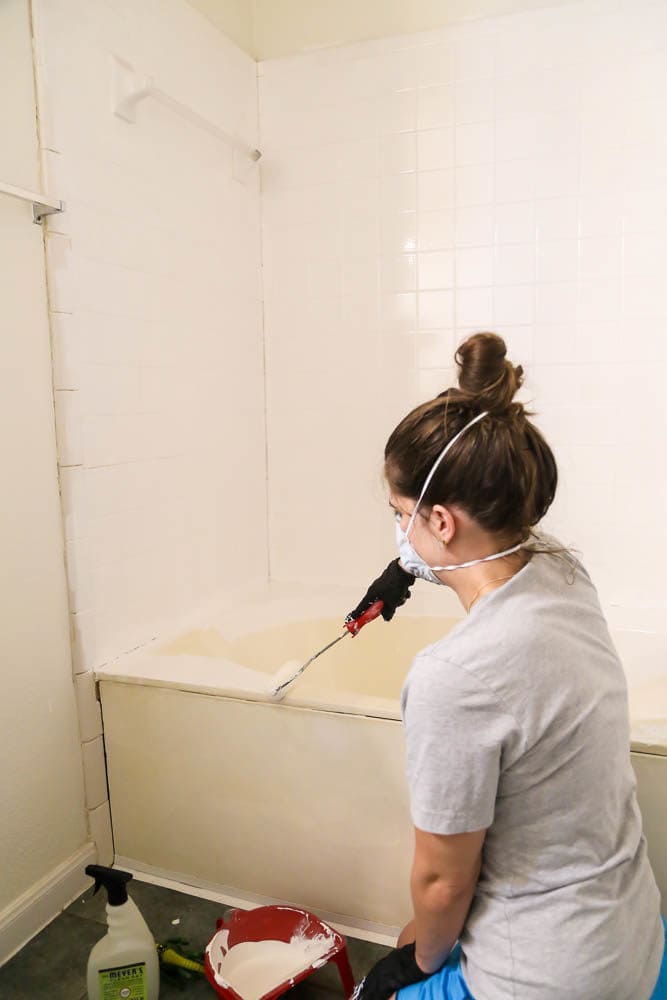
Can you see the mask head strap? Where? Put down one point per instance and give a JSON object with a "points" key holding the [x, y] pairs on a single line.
{"points": [[437, 462]]}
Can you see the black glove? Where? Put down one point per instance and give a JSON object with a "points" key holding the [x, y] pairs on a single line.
{"points": [[397, 969], [392, 587]]}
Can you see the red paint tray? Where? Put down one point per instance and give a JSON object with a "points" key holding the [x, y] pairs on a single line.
{"points": [[281, 923]]}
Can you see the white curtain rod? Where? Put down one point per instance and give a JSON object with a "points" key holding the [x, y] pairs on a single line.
{"points": [[41, 205], [130, 90]]}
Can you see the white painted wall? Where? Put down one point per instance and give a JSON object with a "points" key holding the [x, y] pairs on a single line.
{"points": [[41, 785], [155, 300], [508, 174], [283, 27]]}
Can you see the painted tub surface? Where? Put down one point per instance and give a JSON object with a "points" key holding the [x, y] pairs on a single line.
{"points": [[303, 801], [236, 652]]}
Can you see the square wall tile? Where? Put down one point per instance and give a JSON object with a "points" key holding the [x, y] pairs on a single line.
{"points": [[399, 273], [94, 772], [436, 190], [558, 134], [398, 153], [90, 716], [474, 266], [600, 257], [435, 64], [436, 230], [516, 138], [436, 270], [600, 217], [474, 100], [68, 427], [557, 260], [474, 225], [73, 501], [556, 303], [557, 177], [435, 149], [99, 821], [398, 193], [557, 218], [516, 180], [599, 301], [514, 304], [436, 309], [515, 264], [398, 312], [84, 642], [474, 307], [398, 232], [475, 184], [474, 53], [515, 222], [434, 349], [66, 350], [435, 107], [474, 143], [396, 112], [62, 268], [644, 253]]}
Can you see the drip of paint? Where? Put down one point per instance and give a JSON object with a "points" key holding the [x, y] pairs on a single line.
{"points": [[254, 968]]}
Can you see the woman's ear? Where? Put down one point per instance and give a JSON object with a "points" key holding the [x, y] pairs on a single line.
{"points": [[443, 523]]}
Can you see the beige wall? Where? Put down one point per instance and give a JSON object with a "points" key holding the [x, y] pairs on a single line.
{"points": [[234, 17], [285, 26], [41, 783], [270, 28]]}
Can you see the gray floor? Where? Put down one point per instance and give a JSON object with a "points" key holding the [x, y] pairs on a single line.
{"points": [[53, 965]]}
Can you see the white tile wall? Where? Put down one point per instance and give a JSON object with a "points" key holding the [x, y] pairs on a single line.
{"points": [[155, 298], [506, 173]]}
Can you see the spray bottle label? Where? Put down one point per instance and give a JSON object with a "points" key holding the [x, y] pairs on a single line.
{"points": [[124, 982]]}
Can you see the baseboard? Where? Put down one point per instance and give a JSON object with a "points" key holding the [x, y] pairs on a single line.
{"points": [[231, 896], [27, 915]]}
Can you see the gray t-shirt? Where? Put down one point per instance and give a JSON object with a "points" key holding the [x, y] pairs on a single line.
{"points": [[517, 722]]}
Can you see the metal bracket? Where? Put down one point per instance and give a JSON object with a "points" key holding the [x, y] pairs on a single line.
{"points": [[41, 210], [41, 205]]}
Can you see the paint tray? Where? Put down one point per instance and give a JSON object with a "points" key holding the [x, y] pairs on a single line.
{"points": [[278, 923]]}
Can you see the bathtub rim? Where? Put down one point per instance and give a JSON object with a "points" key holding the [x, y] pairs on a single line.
{"points": [[260, 606]]}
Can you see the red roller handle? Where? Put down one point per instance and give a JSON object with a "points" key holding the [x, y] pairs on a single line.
{"points": [[355, 626]]}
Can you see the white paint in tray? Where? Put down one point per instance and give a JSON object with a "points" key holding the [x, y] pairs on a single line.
{"points": [[254, 968]]}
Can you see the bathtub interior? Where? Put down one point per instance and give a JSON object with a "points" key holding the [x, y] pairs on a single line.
{"points": [[372, 664], [236, 648]]}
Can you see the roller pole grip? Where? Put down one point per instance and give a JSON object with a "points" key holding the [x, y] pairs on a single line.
{"points": [[355, 626]]}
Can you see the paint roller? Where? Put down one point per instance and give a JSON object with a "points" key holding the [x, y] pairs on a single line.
{"points": [[292, 669]]}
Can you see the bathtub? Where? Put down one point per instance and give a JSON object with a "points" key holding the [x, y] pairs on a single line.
{"points": [[304, 801]]}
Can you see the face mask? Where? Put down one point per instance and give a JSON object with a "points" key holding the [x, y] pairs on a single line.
{"points": [[409, 557]]}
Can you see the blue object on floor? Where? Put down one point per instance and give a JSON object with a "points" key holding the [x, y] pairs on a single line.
{"points": [[660, 991], [449, 984]]}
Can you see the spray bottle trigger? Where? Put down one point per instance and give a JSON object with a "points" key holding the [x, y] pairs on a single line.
{"points": [[114, 881]]}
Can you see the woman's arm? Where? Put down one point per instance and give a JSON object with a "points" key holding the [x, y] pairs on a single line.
{"points": [[445, 871]]}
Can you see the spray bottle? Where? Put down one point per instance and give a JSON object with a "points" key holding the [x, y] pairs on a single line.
{"points": [[124, 964]]}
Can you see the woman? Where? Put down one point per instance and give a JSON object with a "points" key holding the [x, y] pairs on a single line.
{"points": [[528, 841]]}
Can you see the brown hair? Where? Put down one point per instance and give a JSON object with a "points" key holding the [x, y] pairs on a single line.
{"points": [[501, 471]]}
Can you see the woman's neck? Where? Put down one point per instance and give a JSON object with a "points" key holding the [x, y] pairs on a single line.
{"points": [[475, 582]]}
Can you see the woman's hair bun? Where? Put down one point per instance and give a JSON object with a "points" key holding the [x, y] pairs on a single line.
{"points": [[485, 374]]}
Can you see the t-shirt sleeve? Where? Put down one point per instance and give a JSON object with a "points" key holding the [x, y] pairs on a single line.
{"points": [[456, 731]]}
